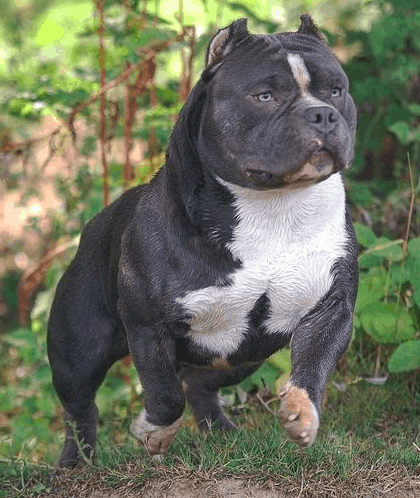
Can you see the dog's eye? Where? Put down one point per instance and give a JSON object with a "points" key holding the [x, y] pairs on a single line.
{"points": [[336, 92], [264, 97]]}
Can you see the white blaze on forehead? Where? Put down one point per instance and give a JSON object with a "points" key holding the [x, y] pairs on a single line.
{"points": [[300, 71]]}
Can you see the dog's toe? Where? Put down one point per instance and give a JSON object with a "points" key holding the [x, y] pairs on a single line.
{"points": [[299, 415]]}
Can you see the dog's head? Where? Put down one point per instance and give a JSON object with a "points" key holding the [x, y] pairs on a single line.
{"points": [[274, 110]]}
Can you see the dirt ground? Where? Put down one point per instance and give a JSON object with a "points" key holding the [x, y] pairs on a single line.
{"points": [[230, 487], [191, 488], [380, 481]]}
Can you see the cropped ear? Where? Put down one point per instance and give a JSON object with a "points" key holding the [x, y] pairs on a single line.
{"points": [[308, 27], [225, 41]]}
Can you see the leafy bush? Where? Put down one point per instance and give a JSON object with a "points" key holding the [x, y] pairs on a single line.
{"points": [[388, 303], [384, 78], [28, 399]]}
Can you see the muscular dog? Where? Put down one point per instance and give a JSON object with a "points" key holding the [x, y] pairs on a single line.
{"points": [[241, 244]]}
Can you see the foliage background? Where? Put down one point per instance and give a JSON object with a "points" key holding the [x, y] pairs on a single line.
{"points": [[58, 129]]}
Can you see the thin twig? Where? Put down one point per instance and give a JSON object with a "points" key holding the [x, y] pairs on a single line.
{"points": [[265, 405], [144, 77], [102, 105], [149, 54], [381, 247], [51, 153], [11, 147], [127, 169], [301, 486], [146, 54], [412, 199], [378, 360]]}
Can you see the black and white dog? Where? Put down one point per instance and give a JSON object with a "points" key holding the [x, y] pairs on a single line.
{"points": [[239, 245]]}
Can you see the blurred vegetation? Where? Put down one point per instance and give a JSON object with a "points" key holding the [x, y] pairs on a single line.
{"points": [[56, 59]]}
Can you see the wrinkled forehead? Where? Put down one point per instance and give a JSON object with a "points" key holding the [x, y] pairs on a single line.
{"points": [[294, 57]]}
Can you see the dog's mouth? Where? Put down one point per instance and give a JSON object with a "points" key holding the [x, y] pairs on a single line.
{"points": [[318, 167], [321, 160]]}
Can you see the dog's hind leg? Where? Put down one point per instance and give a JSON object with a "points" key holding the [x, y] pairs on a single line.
{"points": [[83, 342], [77, 374], [201, 390]]}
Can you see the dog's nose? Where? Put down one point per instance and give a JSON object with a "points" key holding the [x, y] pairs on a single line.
{"points": [[322, 118]]}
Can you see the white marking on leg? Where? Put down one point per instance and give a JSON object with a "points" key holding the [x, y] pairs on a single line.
{"points": [[141, 428], [156, 438]]}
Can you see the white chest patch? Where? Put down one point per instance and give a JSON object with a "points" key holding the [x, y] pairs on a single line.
{"points": [[287, 243]]}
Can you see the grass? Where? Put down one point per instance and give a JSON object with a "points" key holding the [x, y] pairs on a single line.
{"points": [[368, 433]]}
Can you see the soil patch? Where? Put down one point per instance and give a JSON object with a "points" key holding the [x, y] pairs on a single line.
{"points": [[240, 488], [381, 482], [193, 488]]}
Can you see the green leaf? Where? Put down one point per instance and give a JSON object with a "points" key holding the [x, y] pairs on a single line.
{"points": [[21, 107], [365, 236], [412, 267], [153, 34], [369, 260], [402, 130], [361, 195], [388, 323], [89, 145], [22, 339], [397, 275], [264, 377], [281, 360], [414, 109], [7, 398], [43, 374], [414, 247], [22, 428], [406, 357], [416, 297], [43, 303], [49, 32], [372, 287]]}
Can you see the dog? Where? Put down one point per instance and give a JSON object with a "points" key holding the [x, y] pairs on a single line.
{"points": [[241, 244]]}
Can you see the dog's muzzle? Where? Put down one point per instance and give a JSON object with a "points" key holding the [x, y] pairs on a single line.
{"points": [[317, 168]]}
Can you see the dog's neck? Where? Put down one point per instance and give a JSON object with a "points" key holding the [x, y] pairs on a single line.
{"points": [[286, 218]]}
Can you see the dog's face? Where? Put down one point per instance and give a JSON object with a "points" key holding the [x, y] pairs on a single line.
{"points": [[277, 111]]}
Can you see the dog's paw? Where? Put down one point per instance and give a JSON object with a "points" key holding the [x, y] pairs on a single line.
{"points": [[155, 438], [299, 415]]}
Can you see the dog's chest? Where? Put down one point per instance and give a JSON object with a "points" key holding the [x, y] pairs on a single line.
{"points": [[287, 244]]}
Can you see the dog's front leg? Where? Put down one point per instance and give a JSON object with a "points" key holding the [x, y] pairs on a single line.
{"points": [[153, 352], [316, 346]]}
